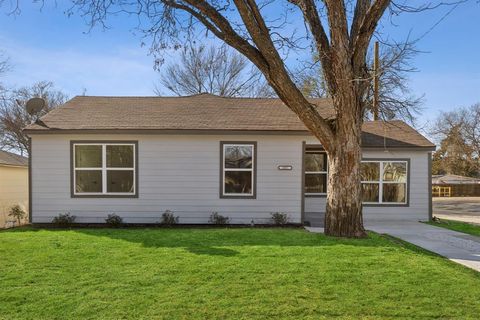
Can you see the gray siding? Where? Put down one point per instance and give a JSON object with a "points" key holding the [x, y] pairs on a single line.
{"points": [[181, 173], [419, 191], [176, 172]]}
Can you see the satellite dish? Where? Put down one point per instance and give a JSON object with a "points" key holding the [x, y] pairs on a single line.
{"points": [[34, 106]]}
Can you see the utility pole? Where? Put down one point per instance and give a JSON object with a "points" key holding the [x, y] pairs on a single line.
{"points": [[376, 69]]}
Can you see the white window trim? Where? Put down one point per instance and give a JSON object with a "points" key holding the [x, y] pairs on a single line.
{"points": [[317, 172], [104, 170], [252, 170], [380, 182]]}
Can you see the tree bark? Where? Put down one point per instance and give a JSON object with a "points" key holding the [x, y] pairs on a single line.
{"points": [[344, 202]]}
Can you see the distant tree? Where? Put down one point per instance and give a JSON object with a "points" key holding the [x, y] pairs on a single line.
{"points": [[310, 80], [4, 68], [396, 99], [14, 118], [215, 69], [459, 135]]}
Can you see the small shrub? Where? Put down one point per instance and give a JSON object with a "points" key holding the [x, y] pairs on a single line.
{"points": [[64, 220], [114, 220], [216, 218], [168, 218], [279, 218], [17, 213]]}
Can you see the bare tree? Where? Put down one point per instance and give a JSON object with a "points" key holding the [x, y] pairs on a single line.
{"points": [[14, 118], [214, 69], [458, 133], [340, 31], [395, 97], [310, 80], [4, 68]]}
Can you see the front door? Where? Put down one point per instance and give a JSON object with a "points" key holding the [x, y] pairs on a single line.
{"points": [[315, 184]]}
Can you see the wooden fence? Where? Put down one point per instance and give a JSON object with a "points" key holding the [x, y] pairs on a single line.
{"points": [[456, 190]]}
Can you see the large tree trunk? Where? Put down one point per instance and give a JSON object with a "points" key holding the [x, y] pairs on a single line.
{"points": [[344, 205]]}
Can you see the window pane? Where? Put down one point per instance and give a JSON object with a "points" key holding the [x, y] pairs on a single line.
{"points": [[238, 182], [119, 156], [120, 181], [370, 192], [88, 156], [238, 156], [370, 171], [316, 183], [88, 181], [316, 161], [393, 192], [395, 171]]}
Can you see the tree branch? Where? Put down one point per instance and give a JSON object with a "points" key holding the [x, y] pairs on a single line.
{"points": [[361, 39], [278, 76], [311, 16], [360, 12]]}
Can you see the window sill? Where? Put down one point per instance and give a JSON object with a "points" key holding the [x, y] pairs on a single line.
{"points": [[386, 204], [104, 196], [228, 196]]}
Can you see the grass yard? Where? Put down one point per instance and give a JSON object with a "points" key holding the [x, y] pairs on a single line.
{"points": [[457, 226], [225, 273]]}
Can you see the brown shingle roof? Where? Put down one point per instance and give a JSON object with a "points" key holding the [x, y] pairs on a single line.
{"points": [[11, 159], [393, 134], [206, 112]]}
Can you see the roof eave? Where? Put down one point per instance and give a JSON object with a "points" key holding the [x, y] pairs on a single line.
{"points": [[400, 148], [163, 131], [14, 165], [207, 132]]}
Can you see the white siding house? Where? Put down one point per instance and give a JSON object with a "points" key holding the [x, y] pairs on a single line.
{"points": [[187, 171]]}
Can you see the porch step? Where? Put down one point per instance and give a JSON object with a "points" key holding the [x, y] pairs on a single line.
{"points": [[315, 219]]}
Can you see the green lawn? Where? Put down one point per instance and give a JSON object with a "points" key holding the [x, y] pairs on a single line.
{"points": [[457, 226], [225, 273]]}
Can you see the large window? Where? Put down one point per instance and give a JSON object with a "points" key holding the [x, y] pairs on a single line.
{"points": [[316, 172], [104, 169], [384, 182], [238, 169]]}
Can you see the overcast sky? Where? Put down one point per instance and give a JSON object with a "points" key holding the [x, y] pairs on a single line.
{"points": [[47, 45]]}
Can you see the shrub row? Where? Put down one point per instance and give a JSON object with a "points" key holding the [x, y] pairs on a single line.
{"points": [[168, 219]]}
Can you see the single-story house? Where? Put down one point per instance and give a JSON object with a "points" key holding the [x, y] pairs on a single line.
{"points": [[244, 158], [452, 185], [13, 185]]}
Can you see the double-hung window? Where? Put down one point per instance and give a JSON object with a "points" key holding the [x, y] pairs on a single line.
{"points": [[316, 173], [104, 169], [384, 182], [238, 169]]}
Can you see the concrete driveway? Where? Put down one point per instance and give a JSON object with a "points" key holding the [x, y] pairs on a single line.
{"points": [[456, 246], [466, 209]]}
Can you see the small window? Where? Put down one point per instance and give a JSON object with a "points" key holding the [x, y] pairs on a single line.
{"points": [[316, 172], [104, 169], [238, 169], [384, 182]]}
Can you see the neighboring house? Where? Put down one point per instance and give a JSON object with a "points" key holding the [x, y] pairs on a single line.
{"points": [[13, 184], [241, 157], [451, 185]]}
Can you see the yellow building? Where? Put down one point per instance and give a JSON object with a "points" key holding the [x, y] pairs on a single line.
{"points": [[13, 185]]}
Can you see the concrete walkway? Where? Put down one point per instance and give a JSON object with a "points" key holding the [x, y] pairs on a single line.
{"points": [[456, 246]]}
